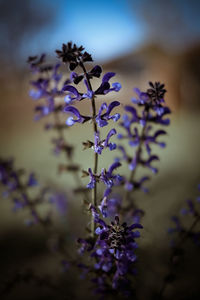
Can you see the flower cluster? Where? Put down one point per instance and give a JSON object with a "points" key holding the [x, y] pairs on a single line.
{"points": [[101, 118], [75, 57], [112, 248], [191, 210], [47, 88], [113, 253], [17, 186], [150, 110]]}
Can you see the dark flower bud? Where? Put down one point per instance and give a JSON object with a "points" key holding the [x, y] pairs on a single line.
{"points": [[87, 145], [73, 55]]}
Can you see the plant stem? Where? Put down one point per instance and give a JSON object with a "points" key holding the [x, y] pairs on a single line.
{"points": [[94, 191]]}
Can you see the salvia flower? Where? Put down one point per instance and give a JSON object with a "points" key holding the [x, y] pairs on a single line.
{"points": [[110, 179], [100, 145], [103, 118], [114, 253], [105, 85], [111, 206], [79, 118], [16, 187], [192, 211], [93, 179], [73, 94], [149, 109]]}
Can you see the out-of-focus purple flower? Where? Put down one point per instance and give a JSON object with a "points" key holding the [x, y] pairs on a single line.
{"points": [[40, 90], [102, 118], [65, 265], [178, 226], [147, 163], [137, 184], [32, 181], [124, 154], [35, 62], [80, 118], [198, 197], [20, 202], [60, 202], [134, 119], [190, 208], [142, 97], [44, 110], [153, 110], [16, 187], [148, 139], [110, 207]]}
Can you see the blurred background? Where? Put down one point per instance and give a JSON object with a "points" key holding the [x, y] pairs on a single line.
{"points": [[141, 41]]}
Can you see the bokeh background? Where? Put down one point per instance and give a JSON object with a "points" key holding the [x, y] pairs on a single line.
{"points": [[141, 41]]}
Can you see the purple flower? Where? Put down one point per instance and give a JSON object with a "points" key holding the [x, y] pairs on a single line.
{"points": [[110, 207], [100, 145], [108, 178], [89, 93], [178, 226], [60, 202], [95, 72], [75, 77], [44, 110], [112, 146], [105, 85], [137, 184], [35, 62], [32, 181], [92, 182], [115, 250], [19, 203], [134, 115], [80, 119], [153, 139], [40, 90], [73, 94], [102, 119], [143, 97]]}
